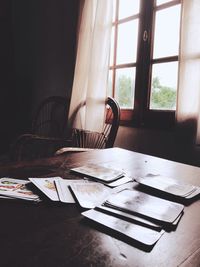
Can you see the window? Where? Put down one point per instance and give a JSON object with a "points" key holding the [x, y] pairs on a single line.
{"points": [[144, 60]]}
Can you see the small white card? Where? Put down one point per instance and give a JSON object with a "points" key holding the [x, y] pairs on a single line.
{"points": [[47, 186], [137, 232], [64, 192], [91, 194]]}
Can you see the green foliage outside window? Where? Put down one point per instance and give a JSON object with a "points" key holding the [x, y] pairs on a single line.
{"points": [[162, 97], [125, 91]]}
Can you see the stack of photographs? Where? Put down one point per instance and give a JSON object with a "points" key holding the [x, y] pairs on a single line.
{"points": [[137, 215], [106, 175], [166, 185], [161, 211], [17, 189]]}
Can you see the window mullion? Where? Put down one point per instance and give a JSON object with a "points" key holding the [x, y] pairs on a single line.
{"points": [[115, 49], [143, 60]]}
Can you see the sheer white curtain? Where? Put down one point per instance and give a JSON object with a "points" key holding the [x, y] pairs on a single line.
{"points": [[188, 109], [92, 65]]}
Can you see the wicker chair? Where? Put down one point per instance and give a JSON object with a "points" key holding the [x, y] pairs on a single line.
{"points": [[51, 136], [48, 131], [83, 140]]}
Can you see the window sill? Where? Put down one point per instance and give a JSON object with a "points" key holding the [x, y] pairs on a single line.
{"points": [[154, 119]]}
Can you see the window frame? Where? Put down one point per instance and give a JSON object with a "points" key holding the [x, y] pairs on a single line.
{"points": [[141, 115]]}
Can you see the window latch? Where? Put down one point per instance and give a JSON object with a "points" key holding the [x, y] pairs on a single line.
{"points": [[145, 36]]}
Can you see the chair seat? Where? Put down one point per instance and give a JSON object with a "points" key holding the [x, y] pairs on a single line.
{"points": [[72, 150]]}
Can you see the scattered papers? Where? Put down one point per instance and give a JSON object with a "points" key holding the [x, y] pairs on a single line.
{"points": [[114, 200], [15, 188], [87, 193], [168, 185], [136, 232], [47, 186]]}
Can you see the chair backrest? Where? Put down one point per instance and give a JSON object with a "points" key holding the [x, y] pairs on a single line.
{"points": [[51, 117], [112, 121], [104, 139]]}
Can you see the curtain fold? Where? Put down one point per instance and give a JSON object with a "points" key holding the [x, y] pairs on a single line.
{"points": [[188, 99], [92, 66]]}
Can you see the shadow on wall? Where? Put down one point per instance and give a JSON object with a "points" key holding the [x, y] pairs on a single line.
{"points": [[177, 144], [37, 51]]}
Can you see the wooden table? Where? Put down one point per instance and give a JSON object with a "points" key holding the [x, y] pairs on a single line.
{"points": [[54, 234]]}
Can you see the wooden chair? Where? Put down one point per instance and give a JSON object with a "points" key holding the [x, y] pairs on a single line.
{"points": [[48, 131], [51, 117], [51, 136], [83, 140]]}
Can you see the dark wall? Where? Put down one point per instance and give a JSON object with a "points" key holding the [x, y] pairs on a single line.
{"points": [[176, 144], [38, 57], [6, 72]]}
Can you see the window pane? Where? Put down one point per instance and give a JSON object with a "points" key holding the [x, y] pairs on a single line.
{"points": [[164, 86], [166, 42], [160, 2], [125, 87], [127, 42], [110, 82], [128, 8], [114, 10], [112, 46]]}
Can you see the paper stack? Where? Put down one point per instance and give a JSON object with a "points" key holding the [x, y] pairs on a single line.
{"points": [[106, 175], [166, 185], [17, 189], [137, 215]]}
